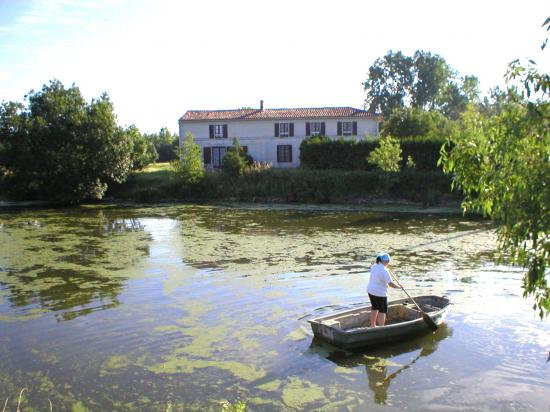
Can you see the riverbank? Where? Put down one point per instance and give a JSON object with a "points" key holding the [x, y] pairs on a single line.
{"points": [[414, 188]]}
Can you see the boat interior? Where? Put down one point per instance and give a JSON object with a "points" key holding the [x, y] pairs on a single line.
{"points": [[397, 313]]}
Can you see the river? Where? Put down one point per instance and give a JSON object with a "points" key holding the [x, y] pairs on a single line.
{"points": [[109, 308]]}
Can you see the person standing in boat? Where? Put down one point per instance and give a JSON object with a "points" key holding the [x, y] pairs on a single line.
{"points": [[377, 289]]}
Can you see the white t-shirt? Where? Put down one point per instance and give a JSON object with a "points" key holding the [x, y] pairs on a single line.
{"points": [[378, 281]]}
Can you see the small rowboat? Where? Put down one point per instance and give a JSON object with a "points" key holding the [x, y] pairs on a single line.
{"points": [[350, 329]]}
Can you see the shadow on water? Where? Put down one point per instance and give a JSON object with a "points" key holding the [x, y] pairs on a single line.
{"points": [[377, 360]]}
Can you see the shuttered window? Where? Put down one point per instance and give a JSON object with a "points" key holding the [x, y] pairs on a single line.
{"points": [[315, 128], [218, 131], [284, 129], [347, 128], [284, 153]]}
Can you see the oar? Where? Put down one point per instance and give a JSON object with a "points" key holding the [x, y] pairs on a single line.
{"points": [[429, 321]]}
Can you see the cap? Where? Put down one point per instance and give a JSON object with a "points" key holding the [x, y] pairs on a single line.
{"points": [[383, 256]]}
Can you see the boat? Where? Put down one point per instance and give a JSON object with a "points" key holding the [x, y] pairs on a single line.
{"points": [[350, 329]]}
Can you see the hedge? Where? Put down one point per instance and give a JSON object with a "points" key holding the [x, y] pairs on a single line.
{"points": [[321, 153]]}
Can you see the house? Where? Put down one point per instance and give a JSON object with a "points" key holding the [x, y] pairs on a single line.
{"points": [[272, 135]]}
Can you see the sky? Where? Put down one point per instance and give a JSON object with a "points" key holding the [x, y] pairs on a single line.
{"points": [[158, 59]]}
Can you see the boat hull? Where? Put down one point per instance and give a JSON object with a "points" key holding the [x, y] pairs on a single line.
{"points": [[348, 329]]}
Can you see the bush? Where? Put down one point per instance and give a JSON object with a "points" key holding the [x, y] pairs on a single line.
{"points": [[387, 156], [236, 160], [189, 168]]}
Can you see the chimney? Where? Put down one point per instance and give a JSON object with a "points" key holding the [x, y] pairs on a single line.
{"points": [[261, 104]]}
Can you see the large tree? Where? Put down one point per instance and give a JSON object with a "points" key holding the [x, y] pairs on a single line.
{"points": [[58, 147], [502, 164], [423, 81]]}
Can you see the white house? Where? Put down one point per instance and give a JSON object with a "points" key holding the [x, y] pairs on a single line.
{"points": [[272, 135]]}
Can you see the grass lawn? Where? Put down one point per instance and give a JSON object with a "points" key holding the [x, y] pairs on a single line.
{"points": [[145, 184], [156, 173]]}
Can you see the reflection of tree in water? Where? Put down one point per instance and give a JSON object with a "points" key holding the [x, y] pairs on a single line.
{"points": [[80, 271], [377, 360]]}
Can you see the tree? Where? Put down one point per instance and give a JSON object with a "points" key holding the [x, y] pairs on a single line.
{"points": [[143, 149], [389, 83], [166, 144], [424, 81], [409, 122], [456, 96], [502, 164], [387, 156], [58, 147], [189, 168], [432, 75]]}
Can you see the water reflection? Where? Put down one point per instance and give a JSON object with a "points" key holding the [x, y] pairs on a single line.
{"points": [[69, 263], [379, 364]]}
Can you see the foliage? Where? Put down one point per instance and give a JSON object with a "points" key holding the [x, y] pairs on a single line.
{"points": [[410, 163], [324, 153], [143, 150], [166, 144], [320, 152], [236, 160], [188, 168], [424, 81], [387, 156], [261, 182], [58, 147], [407, 122], [502, 164], [424, 151]]}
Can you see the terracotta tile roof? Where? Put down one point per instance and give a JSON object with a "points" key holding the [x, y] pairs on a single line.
{"points": [[276, 114]]}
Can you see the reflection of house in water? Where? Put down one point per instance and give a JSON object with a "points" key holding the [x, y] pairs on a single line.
{"points": [[377, 361]]}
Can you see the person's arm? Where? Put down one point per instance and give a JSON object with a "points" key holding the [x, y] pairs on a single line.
{"points": [[393, 285]]}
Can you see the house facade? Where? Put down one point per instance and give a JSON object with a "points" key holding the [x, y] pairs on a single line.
{"points": [[272, 135]]}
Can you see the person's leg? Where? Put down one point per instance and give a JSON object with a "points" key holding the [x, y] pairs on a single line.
{"points": [[383, 309], [373, 316]]}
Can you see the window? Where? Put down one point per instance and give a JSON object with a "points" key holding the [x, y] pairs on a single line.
{"points": [[217, 155], [284, 153], [218, 131], [315, 128], [283, 129], [347, 128]]}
